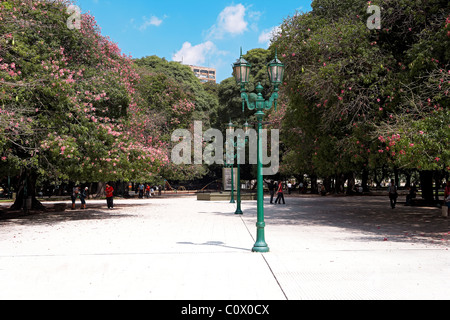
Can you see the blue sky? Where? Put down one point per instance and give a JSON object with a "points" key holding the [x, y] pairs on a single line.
{"points": [[206, 33]]}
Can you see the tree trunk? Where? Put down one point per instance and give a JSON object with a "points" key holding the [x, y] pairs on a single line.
{"points": [[350, 183], [314, 187], [408, 179], [365, 178], [327, 184], [27, 190], [376, 179], [100, 190], [426, 182], [437, 181], [383, 174], [396, 177], [340, 183]]}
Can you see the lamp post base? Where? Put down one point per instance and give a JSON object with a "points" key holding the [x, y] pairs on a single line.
{"points": [[260, 244], [261, 248]]}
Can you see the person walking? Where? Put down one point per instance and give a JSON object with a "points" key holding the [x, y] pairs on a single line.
{"points": [[447, 196], [152, 191], [323, 191], [141, 191], [300, 188], [271, 185], [83, 196], [75, 192], [280, 195], [109, 196], [393, 195]]}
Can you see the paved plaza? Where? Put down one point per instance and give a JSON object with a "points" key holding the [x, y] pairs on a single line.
{"points": [[184, 249]]}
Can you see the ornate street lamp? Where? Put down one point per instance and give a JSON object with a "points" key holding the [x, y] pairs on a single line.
{"points": [[276, 70], [241, 71]]}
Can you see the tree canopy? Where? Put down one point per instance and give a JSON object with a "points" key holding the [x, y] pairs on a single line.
{"points": [[65, 95], [359, 98], [73, 107]]}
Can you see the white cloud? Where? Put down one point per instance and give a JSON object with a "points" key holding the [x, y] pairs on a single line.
{"points": [[230, 21], [195, 55], [267, 35], [152, 21]]}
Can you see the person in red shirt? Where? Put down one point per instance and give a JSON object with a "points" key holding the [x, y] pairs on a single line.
{"points": [[280, 194], [147, 191], [109, 196]]}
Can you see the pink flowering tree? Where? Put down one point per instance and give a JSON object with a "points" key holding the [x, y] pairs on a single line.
{"points": [[67, 102]]}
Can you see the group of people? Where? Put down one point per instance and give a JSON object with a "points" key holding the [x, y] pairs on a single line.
{"points": [[83, 194], [77, 192], [393, 195], [148, 190], [276, 187]]}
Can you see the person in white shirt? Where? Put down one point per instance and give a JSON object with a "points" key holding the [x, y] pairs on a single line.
{"points": [[393, 195]]}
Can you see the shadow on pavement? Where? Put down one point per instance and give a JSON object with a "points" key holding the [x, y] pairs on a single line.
{"points": [[369, 215], [58, 213]]}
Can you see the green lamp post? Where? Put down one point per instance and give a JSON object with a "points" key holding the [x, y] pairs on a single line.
{"points": [[239, 200], [231, 127], [241, 72], [239, 146]]}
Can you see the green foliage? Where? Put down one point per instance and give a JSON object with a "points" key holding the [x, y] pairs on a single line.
{"points": [[349, 88], [182, 77], [173, 98]]}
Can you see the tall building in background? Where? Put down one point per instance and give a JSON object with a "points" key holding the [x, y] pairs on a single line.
{"points": [[204, 74]]}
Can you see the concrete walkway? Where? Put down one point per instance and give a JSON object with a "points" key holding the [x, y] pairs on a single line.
{"points": [[183, 249]]}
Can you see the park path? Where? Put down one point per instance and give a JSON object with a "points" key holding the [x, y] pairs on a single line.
{"points": [[179, 248]]}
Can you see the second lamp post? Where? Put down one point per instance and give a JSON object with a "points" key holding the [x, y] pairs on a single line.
{"points": [[240, 145]]}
